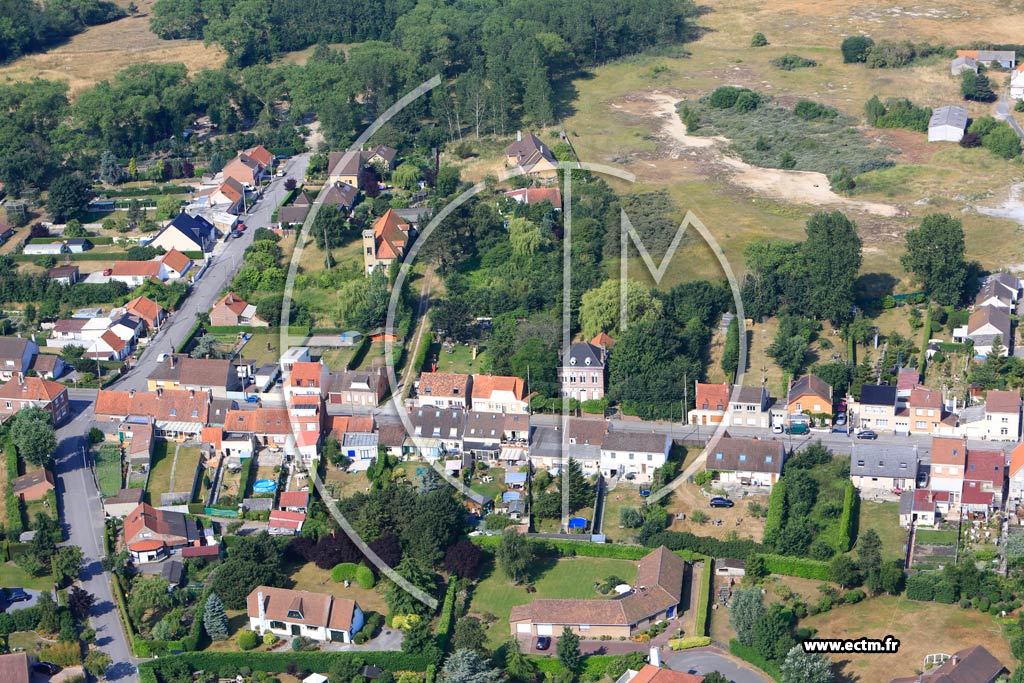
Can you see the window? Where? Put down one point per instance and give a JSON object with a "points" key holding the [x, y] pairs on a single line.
{"points": [[649, 457], [718, 456], [767, 458], [860, 463], [630, 456], [743, 458], [1004, 431], [174, 411], [279, 625], [195, 413], [751, 409], [919, 424], [9, 405]]}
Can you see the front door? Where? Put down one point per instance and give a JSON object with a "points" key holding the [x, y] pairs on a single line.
{"points": [[296, 630]]}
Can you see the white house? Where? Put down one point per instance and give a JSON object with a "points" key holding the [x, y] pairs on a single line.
{"points": [[51, 249], [749, 462], [1016, 492], [749, 406], [998, 419], [1017, 83], [290, 613], [947, 124], [634, 453]]}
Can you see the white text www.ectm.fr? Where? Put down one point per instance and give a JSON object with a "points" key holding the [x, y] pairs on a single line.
{"points": [[886, 645]]}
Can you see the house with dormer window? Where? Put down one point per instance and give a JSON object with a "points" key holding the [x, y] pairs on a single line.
{"points": [[582, 375], [749, 462], [290, 613], [444, 390]]}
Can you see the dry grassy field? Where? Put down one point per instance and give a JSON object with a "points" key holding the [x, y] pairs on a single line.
{"points": [[101, 51], [619, 117]]}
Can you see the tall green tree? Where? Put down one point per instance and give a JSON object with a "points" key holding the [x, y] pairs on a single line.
{"points": [[517, 665], [68, 197], [745, 610], [34, 436], [568, 649], [831, 259], [66, 563], [806, 667], [111, 172], [600, 308], [515, 555], [869, 551], [215, 619], [253, 561], [467, 666], [401, 602], [935, 257]]}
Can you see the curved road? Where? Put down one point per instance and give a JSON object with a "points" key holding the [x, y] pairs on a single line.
{"points": [[78, 497], [706, 660]]}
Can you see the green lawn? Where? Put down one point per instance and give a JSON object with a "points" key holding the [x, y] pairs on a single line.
{"points": [[493, 489], [885, 519], [108, 469], [936, 537], [624, 495], [262, 347], [458, 358], [185, 470], [160, 471], [564, 578], [11, 575]]}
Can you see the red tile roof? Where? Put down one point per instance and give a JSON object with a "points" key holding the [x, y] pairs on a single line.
{"points": [[1002, 401], [176, 261], [948, 451], [603, 340], [391, 234], [287, 520], [655, 674], [233, 303], [136, 269], [167, 405], [32, 389], [715, 396], [145, 308], [986, 465], [484, 386], [923, 397], [344, 424], [258, 421], [445, 384], [305, 374], [294, 499], [317, 609], [261, 154]]}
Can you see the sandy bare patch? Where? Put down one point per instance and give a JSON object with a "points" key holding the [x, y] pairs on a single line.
{"points": [[800, 187]]}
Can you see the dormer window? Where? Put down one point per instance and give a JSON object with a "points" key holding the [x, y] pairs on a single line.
{"points": [[572, 361], [295, 614], [587, 361]]}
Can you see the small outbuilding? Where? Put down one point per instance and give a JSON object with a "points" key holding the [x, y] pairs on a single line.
{"points": [[947, 124]]}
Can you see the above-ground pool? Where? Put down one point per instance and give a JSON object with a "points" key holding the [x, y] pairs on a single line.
{"points": [[264, 486]]}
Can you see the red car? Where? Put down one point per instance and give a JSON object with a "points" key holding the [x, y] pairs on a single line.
{"points": [[240, 227]]}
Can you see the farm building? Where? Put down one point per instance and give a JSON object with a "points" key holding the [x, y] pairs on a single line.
{"points": [[947, 124]]}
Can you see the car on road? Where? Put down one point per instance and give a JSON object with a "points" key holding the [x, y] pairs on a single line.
{"points": [[720, 502], [252, 398], [867, 434], [280, 173], [16, 595], [543, 642], [46, 668], [236, 233]]}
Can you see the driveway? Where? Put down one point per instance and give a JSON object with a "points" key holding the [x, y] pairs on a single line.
{"points": [[705, 660], [15, 606], [1003, 112]]}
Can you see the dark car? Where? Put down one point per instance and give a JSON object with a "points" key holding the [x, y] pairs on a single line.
{"points": [[543, 642], [16, 595], [867, 434], [719, 502], [45, 668], [236, 233]]}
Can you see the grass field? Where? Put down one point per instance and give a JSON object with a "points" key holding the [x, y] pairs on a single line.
{"points": [[622, 497], [565, 578], [457, 358], [11, 576], [185, 469], [936, 537], [160, 471], [101, 51], [309, 577], [949, 628], [884, 518], [108, 469]]}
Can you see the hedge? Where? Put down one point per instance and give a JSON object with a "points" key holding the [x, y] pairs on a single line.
{"points": [[14, 504], [689, 642], [243, 481], [360, 353], [704, 598], [96, 241], [712, 547], [144, 191], [447, 618], [776, 512], [227, 664], [562, 548], [188, 337], [364, 577], [848, 520], [800, 567], [752, 656], [122, 607], [431, 673], [420, 359]]}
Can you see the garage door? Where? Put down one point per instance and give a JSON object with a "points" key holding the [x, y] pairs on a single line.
{"points": [[545, 630], [524, 628]]}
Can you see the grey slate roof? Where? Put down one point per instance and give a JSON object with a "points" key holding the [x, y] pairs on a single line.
{"points": [[438, 422], [877, 395], [884, 460], [585, 355], [747, 455], [948, 116], [638, 442]]}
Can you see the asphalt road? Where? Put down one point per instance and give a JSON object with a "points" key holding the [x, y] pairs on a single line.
{"points": [[705, 661], [78, 496], [227, 259], [1003, 112]]}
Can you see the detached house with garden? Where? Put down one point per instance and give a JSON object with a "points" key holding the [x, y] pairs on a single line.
{"points": [[290, 613]]}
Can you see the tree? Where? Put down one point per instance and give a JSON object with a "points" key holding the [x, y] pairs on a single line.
{"points": [[891, 577], [207, 346], [215, 619], [843, 570], [805, 667], [758, 40], [65, 564], [537, 97], [111, 172], [463, 559], [525, 236], [253, 561], [772, 639], [34, 436], [48, 612], [515, 555], [419, 640], [97, 662], [401, 602], [517, 665], [831, 257], [1002, 141], [80, 602], [168, 206], [69, 195], [568, 649], [869, 551], [580, 495], [976, 87], [856, 49], [745, 611], [790, 353], [935, 257], [600, 307], [468, 666], [470, 635], [452, 315]]}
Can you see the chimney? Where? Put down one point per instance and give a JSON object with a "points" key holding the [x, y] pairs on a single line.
{"points": [[172, 360], [519, 136], [191, 393], [159, 393], [655, 657], [262, 611], [131, 393]]}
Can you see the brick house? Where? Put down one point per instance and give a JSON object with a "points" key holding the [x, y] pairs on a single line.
{"points": [[35, 392], [582, 375]]}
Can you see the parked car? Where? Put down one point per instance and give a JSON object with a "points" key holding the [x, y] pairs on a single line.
{"points": [[543, 642], [867, 434], [45, 668], [16, 595], [240, 227], [236, 233], [777, 429], [280, 173], [719, 502], [252, 398], [798, 428], [840, 420]]}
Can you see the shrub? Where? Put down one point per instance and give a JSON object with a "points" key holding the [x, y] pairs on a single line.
{"points": [[854, 596], [976, 87], [689, 642], [890, 54], [1002, 141], [810, 110], [346, 571], [897, 112], [758, 40], [364, 576], [946, 594], [270, 638], [247, 640], [726, 97], [921, 586], [64, 653], [788, 62], [856, 49], [796, 566], [748, 100]]}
